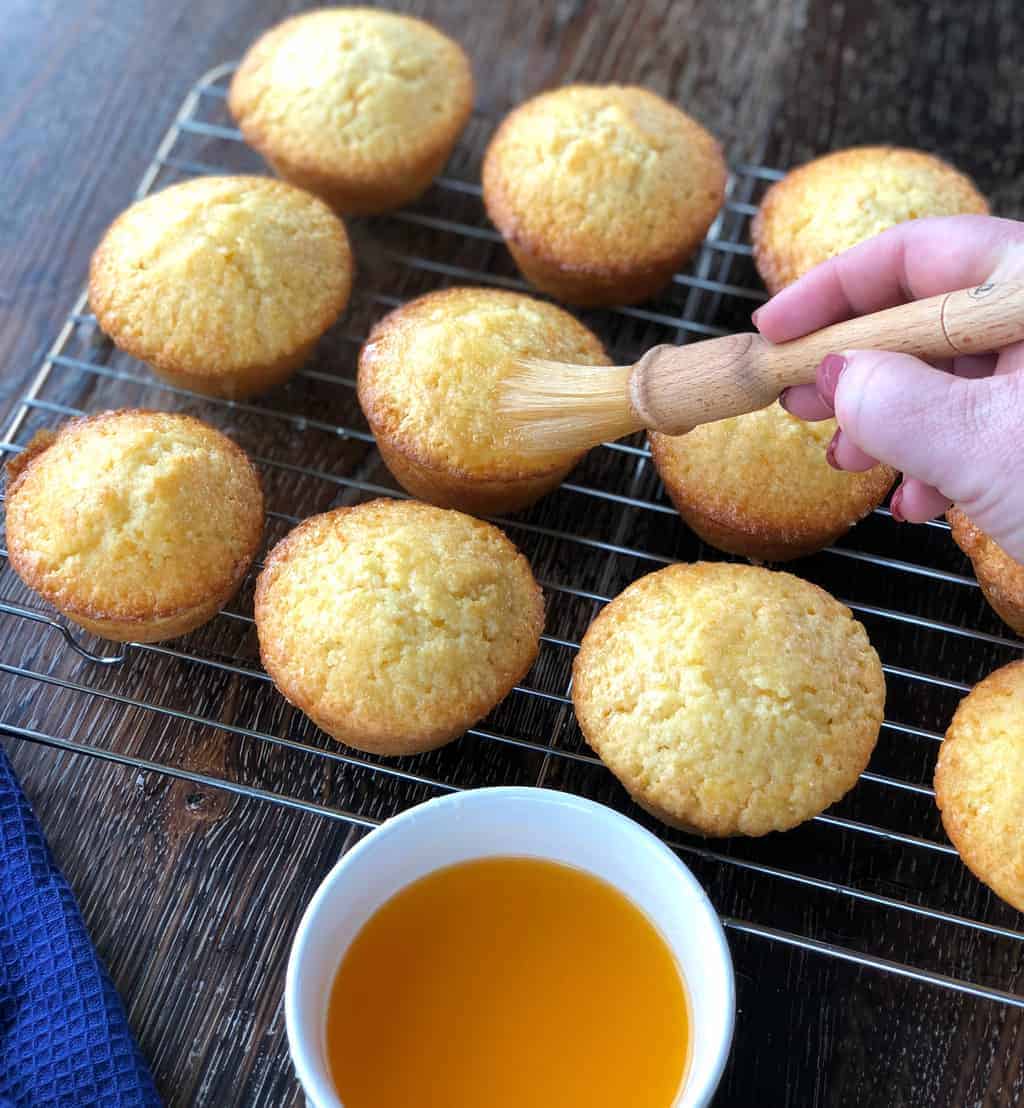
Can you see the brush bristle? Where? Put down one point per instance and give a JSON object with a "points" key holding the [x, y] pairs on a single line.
{"points": [[556, 407]]}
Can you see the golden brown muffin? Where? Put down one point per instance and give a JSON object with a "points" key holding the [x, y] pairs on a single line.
{"points": [[222, 284], [601, 192], [759, 485], [830, 204], [428, 383], [360, 106], [395, 625], [137, 525], [979, 782], [1001, 577], [729, 699]]}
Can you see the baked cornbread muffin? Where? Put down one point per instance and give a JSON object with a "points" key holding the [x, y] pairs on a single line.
{"points": [[395, 625], [601, 192], [979, 782], [429, 378], [137, 525], [360, 106], [759, 484], [729, 699], [1001, 577], [222, 284], [832, 203]]}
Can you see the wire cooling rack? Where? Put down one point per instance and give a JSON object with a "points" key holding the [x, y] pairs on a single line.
{"points": [[873, 881]]}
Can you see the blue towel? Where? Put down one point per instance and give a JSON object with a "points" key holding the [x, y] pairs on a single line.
{"points": [[64, 1037]]}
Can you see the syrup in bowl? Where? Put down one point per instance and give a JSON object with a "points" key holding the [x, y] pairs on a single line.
{"points": [[501, 982]]}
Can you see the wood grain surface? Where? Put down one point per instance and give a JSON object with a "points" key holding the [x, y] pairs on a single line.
{"points": [[192, 893]]}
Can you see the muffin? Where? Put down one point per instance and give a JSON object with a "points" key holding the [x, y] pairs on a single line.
{"points": [[429, 377], [729, 699], [832, 203], [360, 106], [395, 625], [759, 484], [1001, 577], [222, 284], [979, 782], [138, 526], [602, 192]]}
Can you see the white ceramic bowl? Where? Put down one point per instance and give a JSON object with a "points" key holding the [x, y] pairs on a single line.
{"points": [[526, 822]]}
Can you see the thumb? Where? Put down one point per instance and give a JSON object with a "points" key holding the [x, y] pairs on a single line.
{"points": [[963, 436]]}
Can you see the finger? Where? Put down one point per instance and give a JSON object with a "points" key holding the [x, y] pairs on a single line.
{"points": [[957, 435], [922, 257], [973, 366], [843, 453], [915, 502], [804, 401], [1010, 359]]}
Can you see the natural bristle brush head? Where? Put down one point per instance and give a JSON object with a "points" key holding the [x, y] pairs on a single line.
{"points": [[673, 389], [553, 406]]}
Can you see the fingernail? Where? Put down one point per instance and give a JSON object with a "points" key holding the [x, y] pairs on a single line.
{"points": [[754, 315], [827, 377], [782, 401], [896, 505], [830, 451]]}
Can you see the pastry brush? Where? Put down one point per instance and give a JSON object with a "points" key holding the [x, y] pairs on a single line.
{"points": [[557, 407]]}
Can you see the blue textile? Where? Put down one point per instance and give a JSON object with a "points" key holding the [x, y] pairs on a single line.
{"points": [[64, 1037]]}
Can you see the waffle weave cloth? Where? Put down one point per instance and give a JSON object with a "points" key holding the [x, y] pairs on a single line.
{"points": [[64, 1036]]}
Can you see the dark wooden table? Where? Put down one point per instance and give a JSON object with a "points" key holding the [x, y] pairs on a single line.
{"points": [[192, 894]]}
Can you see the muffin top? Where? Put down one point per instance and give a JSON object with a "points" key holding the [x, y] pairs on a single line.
{"points": [[395, 618], [979, 781], [220, 274], [132, 514], [355, 89], [729, 698], [602, 178], [766, 473], [832, 203], [430, 373]]}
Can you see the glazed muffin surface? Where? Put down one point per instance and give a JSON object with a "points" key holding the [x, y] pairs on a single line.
{"points": [[358, 105], [222, 284], [729, 699], [602, 191], [759, 485], [137, 525], [979, 782], [1001, 577], [396, 625], [836, 201], [429, 379]]}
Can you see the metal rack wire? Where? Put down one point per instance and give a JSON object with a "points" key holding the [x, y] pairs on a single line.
{"points": [[875, 864]]}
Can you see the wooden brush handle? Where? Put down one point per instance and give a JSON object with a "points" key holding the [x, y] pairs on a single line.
{"points": [[675, 388]]}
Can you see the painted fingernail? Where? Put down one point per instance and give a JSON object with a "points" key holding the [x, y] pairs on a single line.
{"points": [[830, 451], [754, 315], [896, 505], [827, 377], [782, 400]]}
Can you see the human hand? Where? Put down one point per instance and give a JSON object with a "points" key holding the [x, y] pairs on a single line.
{"points": [[955, 429]]}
